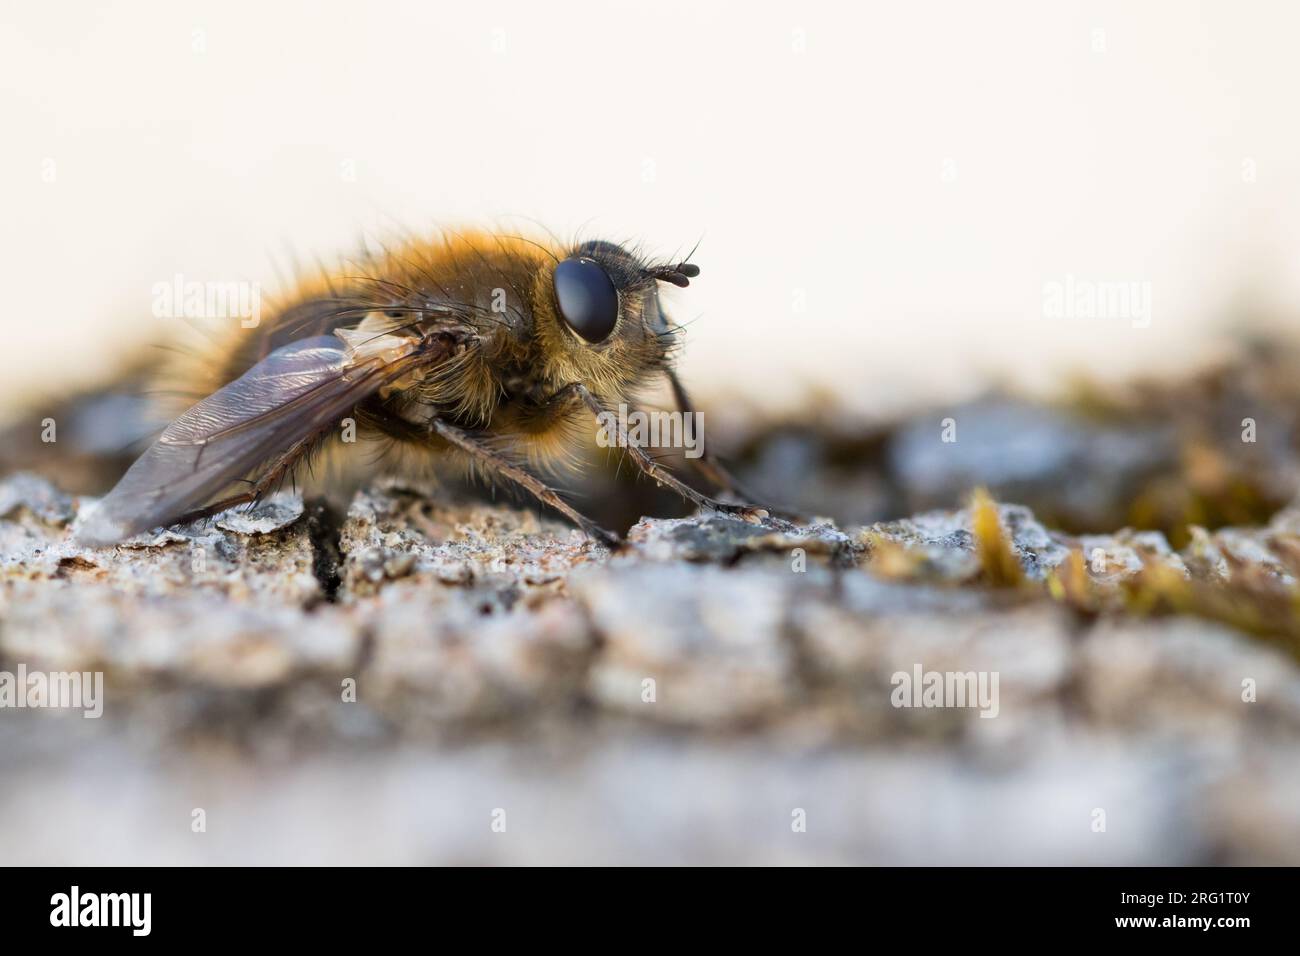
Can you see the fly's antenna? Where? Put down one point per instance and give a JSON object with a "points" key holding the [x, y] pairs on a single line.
{"points": [[679, 275]]}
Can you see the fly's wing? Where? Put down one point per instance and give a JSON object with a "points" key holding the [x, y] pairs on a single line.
{"points": [[284, 402]]}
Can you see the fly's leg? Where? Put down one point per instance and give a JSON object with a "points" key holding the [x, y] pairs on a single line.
{"points": [[659, 473], [269, 479], [530, 483], [706, 463], [493, 462]]}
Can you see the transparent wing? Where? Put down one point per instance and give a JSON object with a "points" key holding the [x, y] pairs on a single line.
{"points": [[282, 404]]}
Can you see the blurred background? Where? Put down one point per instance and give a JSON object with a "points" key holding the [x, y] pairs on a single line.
{"points": [[882, 193]]}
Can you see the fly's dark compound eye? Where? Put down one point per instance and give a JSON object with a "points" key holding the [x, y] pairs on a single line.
{"points": [[587, 298]]}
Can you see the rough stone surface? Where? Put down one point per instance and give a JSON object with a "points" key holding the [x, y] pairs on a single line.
{"points": [[375, 686]]}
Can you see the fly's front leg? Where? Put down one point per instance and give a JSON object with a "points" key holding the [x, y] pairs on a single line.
{"points": [[713, 470], [659, 473], [706, 463]]}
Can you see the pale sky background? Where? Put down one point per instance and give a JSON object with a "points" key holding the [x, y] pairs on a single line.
{"points": [[913, 174]]}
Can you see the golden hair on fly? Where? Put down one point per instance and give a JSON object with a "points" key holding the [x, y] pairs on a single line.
{"points": [[497, 351]]}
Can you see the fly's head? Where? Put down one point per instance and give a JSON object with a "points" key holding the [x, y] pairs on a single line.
{"points": [[598, 318]]}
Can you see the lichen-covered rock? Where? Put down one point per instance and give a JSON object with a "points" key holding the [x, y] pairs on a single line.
{"points": [[396, 674], [689, 644], [722, 538], [257, 553], [452, 655], [943, 543], [392, 533]]}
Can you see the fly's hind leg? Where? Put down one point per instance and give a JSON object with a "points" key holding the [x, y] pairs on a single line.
{"points": [[258, 488], [492, 461]]}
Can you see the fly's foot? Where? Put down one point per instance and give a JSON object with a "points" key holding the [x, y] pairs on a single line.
{"points": [[748, 513], [603, 536]]}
